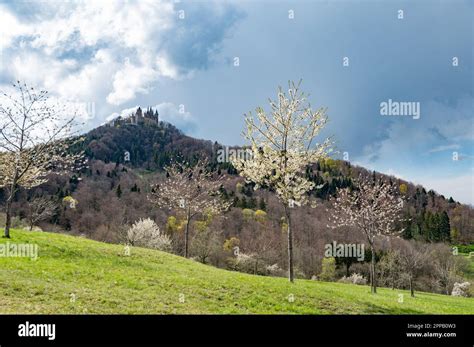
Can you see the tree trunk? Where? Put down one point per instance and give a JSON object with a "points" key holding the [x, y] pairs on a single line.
{"points": [[373, 281], [8, 210], [186, 237], [8, 220], [290, 246], [412, 292]]}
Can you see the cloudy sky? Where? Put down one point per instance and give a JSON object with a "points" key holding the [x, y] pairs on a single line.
{"points": [[107, 57]]}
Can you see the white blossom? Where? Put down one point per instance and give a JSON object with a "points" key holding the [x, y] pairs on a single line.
{"points": [[146, 233]]}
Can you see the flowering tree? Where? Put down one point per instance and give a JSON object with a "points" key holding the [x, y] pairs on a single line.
{"points": [[34, 142], [193, 190], [373, 207], [146, 233], [283, 145]]}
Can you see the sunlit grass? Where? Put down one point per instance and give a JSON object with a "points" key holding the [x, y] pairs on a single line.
{"points": [[76, 275]]}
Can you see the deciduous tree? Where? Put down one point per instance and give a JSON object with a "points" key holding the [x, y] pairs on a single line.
{"points": [[39, 209], [374, 207], [191, 189], [283, 146], [35, 137]]}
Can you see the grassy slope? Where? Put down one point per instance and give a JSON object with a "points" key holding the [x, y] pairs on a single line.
{"points": [[104, 280], [470, 271]]}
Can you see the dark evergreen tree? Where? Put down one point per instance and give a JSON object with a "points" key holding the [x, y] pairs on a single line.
{"points": [[236, 201], [262, 205], [444, 227], [243, 202], [252, 203]]}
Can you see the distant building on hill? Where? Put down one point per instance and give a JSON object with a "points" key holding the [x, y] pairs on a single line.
{"points": [[137, 118]]}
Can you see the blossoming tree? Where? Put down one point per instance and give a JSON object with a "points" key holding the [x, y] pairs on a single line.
{"points": [[191, 189], [374, 208], [283, 145], [35, 138]]}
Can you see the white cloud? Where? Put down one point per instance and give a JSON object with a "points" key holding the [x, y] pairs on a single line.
{"points": [[124, 113], [130, 80], [172, 113], [108, 52], [10, 28]]}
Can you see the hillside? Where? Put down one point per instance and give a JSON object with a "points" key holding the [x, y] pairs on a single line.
{"points": [[104, 280], [150, 146], [125, 159]]}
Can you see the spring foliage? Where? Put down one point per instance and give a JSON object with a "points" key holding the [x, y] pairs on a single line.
{"points": [[145, 233]]}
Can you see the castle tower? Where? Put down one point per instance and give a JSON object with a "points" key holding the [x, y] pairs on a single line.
{"points": [[139, 116]]}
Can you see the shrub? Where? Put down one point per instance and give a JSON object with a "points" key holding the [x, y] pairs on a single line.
{"points": [[229, 244], [260, 216], [248, 263], [17, 222], [242, 262], [248, 214], [146, 233], [275, 270], [328, 272], [355, 278], [461, 289], [70, 201]]}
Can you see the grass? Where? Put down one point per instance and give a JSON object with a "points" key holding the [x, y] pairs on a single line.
{"points": [[104, 280], [470, 270]]}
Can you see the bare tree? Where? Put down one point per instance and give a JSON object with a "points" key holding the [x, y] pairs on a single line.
{"points": [[283, 145], [191, 189], [390, 268], [413, 258], [39, 209], [206, 243], [34, 142], [448, 267], [373, 207]]}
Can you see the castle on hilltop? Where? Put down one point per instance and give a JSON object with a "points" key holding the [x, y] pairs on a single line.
{"points": [[137, 118]]}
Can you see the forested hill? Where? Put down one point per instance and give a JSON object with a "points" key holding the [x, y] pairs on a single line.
{"points": [[124, 159], [151, 146]]}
